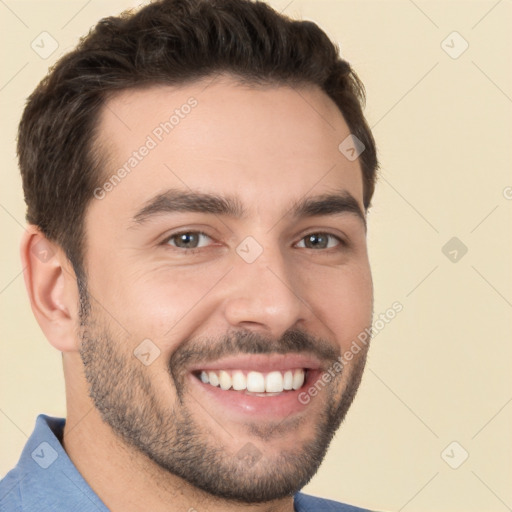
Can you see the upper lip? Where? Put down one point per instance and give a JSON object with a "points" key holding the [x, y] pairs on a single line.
{"points": [[261, 363]]}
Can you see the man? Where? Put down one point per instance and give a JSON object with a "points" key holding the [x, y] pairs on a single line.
{"points": [[197, 176]]}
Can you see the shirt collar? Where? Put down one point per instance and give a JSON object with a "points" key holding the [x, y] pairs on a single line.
{"points": [[48, 480]]}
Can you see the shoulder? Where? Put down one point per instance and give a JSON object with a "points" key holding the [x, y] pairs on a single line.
{"points": [[306, 503], [10, 498]]}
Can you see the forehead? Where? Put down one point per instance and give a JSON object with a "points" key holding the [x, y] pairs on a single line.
{"points": [[266, 145]]}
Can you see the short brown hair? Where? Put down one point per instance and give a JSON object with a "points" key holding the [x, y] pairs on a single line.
{"points": [[166, 42]]}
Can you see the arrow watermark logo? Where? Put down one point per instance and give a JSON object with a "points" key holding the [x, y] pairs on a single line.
{"points": [[44, 45], [249, 249], [44, 455], [146, 352], [454, 455], [42, 251], [454, 45], [249, 455], [454, 249], [351, 147]]}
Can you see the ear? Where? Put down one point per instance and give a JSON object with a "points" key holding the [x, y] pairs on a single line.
{"points": [[52, 289]]}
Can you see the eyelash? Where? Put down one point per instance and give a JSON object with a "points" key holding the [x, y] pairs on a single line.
{"points": [[342, 243]]}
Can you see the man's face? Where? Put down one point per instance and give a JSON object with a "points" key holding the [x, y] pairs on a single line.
{"points": [[230, 250]]}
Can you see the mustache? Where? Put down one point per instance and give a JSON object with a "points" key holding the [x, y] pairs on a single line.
{"points": [[238, 342]]}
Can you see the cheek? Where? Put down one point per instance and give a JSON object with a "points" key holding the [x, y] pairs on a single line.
{"points": [[344, 301], [163, 303]]}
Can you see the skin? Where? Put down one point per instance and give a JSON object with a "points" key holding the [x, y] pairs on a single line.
{"points": [[268, 147]]}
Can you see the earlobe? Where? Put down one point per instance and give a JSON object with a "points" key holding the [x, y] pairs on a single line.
{"points": [[51, 287]]}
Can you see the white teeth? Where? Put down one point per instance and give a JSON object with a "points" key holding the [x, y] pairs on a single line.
{"points": [[255, 382], [224, 380], [214, 380], [298, 379], [288, 380], [239, 381], [274, 382]]}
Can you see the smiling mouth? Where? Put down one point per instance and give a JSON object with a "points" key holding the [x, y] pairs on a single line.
{"points": [[263, 384]]}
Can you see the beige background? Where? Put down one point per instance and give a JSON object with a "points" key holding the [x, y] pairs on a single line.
{"points": [[440, 371]]}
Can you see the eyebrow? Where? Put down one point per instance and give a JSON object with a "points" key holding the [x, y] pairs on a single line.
{"points": [[328, 204], [175, 200]]}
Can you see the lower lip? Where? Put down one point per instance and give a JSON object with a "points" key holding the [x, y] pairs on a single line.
{"points": [[274, 406]]}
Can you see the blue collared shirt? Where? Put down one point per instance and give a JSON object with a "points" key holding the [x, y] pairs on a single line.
{"points": [[45, 479]]}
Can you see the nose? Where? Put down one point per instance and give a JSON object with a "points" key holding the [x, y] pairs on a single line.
{"points": [[264, 295]]}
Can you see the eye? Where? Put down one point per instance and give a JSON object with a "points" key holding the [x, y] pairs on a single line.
{"points": [[320, 241], [188, 240]]}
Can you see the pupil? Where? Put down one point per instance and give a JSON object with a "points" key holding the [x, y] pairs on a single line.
{"points": [[188, 239], [317, 240]]}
